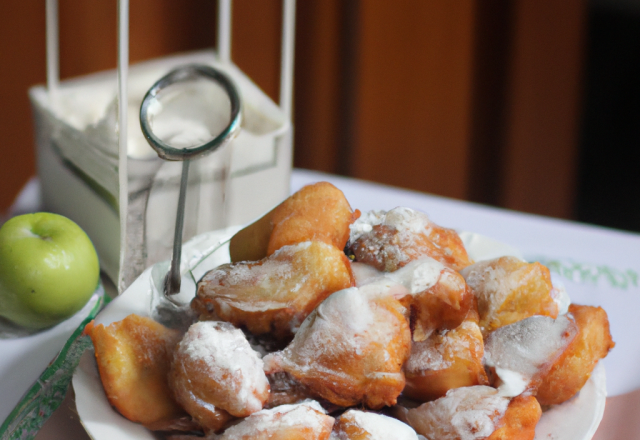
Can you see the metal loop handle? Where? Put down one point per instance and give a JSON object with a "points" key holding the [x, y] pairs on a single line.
{"points": [[184, 74]]}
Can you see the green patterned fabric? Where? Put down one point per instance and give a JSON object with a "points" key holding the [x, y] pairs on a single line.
{"points": [[46, 395]]}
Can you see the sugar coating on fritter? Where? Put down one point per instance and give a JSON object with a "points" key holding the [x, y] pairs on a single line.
{"points": [[362, 425], [390, 240], [572, 369], [350, 350], [318, 212], [215, 367], [276, 293], [437, 296], [509, 290], [447, 359], [522, 352], [302, 421], [468, 413], [133, 357]]}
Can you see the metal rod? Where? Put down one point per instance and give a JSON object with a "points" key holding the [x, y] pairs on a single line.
{"points": [[224, 30], [172, 281], [53, 47], [123, 100], [286, 58]]}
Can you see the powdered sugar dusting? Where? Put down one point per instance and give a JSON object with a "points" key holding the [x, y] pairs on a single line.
{"points": [[229, 360], [418, 275], [559, 294], [438, 351], [365, 223], [378, 426], [277, 421], [407, 219], [363, 273], [414, 278], [467, 413], [490, 283], [403, 219], [527, 346], [347, 338]]}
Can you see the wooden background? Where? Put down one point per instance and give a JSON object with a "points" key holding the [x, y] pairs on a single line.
{"points": [[472, 99]]}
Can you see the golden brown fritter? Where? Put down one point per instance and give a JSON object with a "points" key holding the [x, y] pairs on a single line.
{"points": [[468, 412], [317, 212], [277, 293], [350, 350], [303, 421], [519, 421], [475, 412], [526, 349], [214, 368], [443, 306], [509, 290], [448, 359], [403, 235], [573, 368], [133, 357], [361, 425]]}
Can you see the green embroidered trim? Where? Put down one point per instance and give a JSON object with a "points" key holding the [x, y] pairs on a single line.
{"points": [[592, 273]]}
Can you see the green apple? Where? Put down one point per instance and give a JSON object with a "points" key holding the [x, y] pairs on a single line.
{"points": [[48, 269]]}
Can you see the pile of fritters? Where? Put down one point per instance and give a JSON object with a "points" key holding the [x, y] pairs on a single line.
{"points": [[386, 329]]}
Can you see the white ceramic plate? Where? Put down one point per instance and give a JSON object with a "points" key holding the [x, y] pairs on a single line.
{"points": [[576, 419]]}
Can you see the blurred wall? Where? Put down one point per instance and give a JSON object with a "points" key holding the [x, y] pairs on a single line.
{"points": [[477, 100]]}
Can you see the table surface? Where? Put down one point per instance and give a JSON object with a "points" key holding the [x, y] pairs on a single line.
{"points": [[598, 266]]}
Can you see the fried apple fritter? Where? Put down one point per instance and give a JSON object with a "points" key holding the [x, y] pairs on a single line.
{"points": [[509, 290], [317, 212], [361, 425], [519, 421], [214, 368], [277, 293], [463, 414], [133, 357], [526, 349], [437, 296], [303, 421], [350, 350], [390, 240], [477, 412], [572, 369], [443, 306], [448, 359]]}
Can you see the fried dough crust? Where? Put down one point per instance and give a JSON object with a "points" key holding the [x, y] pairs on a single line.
{"points": [[395, 242], [509, 290], [519, 421], [443, 306], [133, 357], [464, 413], [350, 350], [573, 368], [215, 370], [361, 425], [447, 360], [287, 422], [277, 293], [318, 212]]}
